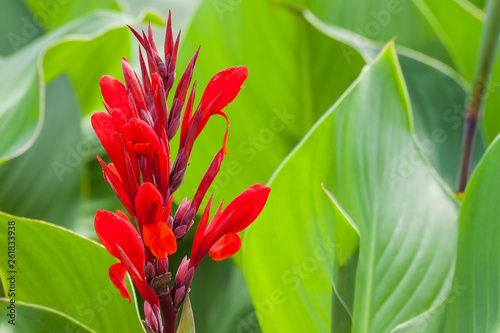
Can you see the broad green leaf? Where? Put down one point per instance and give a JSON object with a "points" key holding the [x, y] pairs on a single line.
{"points": [[35, 318], [86, 60], [461, 41], [382, 20], [345, 263], [427, 26], [26, 72], [186, 323], [295, 73], [52, 14], [438, 96], [476, 305], [44, 182], [437, 102], [182, 11], [407, 228], [66, 273], [17, 25]]}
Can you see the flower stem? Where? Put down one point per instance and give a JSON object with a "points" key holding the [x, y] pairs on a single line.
{"points": [[169, 313], [487, 50]]}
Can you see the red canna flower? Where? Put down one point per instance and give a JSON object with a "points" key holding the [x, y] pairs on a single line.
{"points": [[220, 238], [135, 132]]}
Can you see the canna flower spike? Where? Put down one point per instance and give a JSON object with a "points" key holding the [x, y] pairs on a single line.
{"points": [[135, 132]]}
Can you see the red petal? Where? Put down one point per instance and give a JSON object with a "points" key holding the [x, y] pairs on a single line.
{"points": [[160, 239], [148, 204], [244, 209], [114, 180], [105, 129], [225, 247], [113, 232], [196, 255], [138, 278], [207, 180], [226, 85], [115, 94], [141, 138], [117, 275]]}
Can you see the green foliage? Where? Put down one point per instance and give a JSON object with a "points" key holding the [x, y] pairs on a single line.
{"points": [[474, 304], [364, 97], [66, 275], [44, 182], [35, 318], [348, 153], [288, 88]]}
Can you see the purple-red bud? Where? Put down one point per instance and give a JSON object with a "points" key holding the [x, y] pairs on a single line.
{"points": [[180, 294]]}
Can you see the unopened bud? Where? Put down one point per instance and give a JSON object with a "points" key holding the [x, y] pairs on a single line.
{"points": [[188, 277], [180, 232], [152, 321], [149, 270], [161, 266], [181, 211], [180, 294], [181, 271], [170, 222], [176, 180]]}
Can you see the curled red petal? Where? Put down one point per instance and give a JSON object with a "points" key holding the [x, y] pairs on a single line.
{"points": [[141, 138], [117, 275], [160, 239], [225, 86], [244, 209], [115, 94], [225, 247]]}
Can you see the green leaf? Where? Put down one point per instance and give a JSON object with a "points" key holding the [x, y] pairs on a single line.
{"points": [[76, 45], [186, 323], [295, 73], [67, 274], [382, 20], [437, 94], [345, 263], [53, 14], [17, 25], [475, 306], [407, 250], [437, 102], [35, 318], [462, 40], [44, 182], [426, 26]]}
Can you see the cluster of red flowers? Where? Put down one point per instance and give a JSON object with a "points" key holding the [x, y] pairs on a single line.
{"points": [[136, 131]]}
